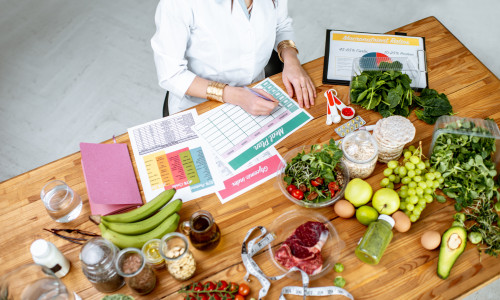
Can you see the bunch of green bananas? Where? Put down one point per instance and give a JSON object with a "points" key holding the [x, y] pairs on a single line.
{"points": [[136, 227]]}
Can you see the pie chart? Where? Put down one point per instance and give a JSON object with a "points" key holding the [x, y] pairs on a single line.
{"points": [[377, 57]]}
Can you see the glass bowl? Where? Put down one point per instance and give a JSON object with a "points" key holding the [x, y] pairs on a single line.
{"points": [[285, 225], [305, 203]]}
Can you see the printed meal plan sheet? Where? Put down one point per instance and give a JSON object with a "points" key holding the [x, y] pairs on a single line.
{"points": [[343, 47], [169, 154], [257, 171], [237, 137]]}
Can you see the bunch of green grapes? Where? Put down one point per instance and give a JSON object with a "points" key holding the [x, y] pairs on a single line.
{"points": [[418, 181]]}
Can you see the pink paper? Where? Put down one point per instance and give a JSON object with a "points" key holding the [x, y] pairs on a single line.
{"points": [[110, 178], [250, 176]]}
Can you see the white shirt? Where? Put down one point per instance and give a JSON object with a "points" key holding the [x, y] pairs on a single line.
{"points": [[205, 38]]}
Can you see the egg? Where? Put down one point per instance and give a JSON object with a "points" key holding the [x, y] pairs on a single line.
{"points": [[402, 222], [430, 239], [344, 209]]}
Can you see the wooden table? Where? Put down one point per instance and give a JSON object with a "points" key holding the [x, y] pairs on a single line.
{"points": [[407, 270]]}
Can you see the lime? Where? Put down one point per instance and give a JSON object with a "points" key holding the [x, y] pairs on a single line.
{"points": [[366, 214]]}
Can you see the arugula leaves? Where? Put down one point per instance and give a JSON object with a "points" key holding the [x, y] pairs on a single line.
{"points": [[321, 161], [388, 92]]}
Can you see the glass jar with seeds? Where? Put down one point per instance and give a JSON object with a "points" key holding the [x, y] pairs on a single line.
{"points": [[360, 154], [174, 248]]}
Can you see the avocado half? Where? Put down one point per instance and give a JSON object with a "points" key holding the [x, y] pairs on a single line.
{"points": [[452, 246]]}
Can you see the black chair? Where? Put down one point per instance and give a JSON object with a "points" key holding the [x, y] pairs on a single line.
{"points": [[274, 66]]}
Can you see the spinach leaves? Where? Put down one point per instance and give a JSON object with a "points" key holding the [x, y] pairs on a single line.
{"points": [[388, 92]]}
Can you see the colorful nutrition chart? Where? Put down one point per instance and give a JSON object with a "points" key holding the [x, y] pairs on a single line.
{"points": [[237, 137], [168, 154]]}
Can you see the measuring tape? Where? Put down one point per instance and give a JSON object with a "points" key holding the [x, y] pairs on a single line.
{"points": [[262, 240]]}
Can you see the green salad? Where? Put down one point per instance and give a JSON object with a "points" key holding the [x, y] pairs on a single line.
{"points": [[315, 176]]}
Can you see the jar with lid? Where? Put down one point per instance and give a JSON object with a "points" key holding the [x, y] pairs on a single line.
{"points": [[375, 240], [174, 248], [45, 253], [360, 153], [151, 251], [139, 276], [98, 257]]}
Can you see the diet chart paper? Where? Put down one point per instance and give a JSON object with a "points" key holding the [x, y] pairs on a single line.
{"points": [[169, 154], [237, 137]]}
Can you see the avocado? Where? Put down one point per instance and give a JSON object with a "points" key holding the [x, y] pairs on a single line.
{"points": [[452, 246]]}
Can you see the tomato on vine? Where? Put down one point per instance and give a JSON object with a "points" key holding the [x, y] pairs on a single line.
{"points": [[233, 287]]}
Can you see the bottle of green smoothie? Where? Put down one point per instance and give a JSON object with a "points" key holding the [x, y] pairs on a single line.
{"points": [[375, 240]]}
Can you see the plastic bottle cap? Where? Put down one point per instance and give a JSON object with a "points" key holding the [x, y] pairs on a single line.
{"points": [[388, 219], [39, 248]]}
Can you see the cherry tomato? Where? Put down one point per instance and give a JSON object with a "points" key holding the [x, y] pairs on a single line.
{"points": [[333, 187], [298, 194], [209, 286], [198, 287], [291, 188], [317, 182], [203, 297], [215, 296], [233, 287], [222, 285], [239, 297], [191, 297], [244, 289]]}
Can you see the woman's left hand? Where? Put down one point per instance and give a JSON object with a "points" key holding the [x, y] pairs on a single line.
{"points": [[295, 78]]}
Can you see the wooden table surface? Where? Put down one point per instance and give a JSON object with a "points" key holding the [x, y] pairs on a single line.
{"points": [[406, 271]]}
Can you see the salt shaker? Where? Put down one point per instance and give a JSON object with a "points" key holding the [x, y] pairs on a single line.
{"points": [[45, 253], [98, 257]]}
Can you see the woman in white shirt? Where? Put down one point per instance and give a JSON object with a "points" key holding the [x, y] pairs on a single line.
{"points": [[211, 49]]}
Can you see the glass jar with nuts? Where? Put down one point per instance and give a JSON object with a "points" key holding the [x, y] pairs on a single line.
{"points": [[174, 248]]}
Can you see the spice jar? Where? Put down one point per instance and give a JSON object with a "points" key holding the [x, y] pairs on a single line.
{"points": [[174, 248], [98, 257], [375, 240], [360, 154], [151, 251], [139, 276]]}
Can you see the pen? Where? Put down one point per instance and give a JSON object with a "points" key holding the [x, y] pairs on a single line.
{"points": [[259, 95]]}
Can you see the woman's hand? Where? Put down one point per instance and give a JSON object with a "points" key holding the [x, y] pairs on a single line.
{"points": [[250, 102], [295, 78]]}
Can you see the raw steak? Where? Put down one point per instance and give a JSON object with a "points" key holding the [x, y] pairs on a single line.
{"points": [[303, 248]]}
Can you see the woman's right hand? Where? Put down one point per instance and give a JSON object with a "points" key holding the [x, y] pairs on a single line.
{"points": [[251, 103]]}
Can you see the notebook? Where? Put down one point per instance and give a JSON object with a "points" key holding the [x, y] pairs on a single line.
{"points": [[110, 178]]}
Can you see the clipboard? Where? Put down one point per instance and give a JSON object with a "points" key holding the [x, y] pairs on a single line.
{"points": [[343, 47]]}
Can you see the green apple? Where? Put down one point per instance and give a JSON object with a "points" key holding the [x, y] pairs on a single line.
{"points": [[366, 214], [386, 201], [358, 192]]}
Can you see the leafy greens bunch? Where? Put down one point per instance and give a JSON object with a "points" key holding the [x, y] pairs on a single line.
{"points": [[465, 161], [320, 162], [387, 91]]}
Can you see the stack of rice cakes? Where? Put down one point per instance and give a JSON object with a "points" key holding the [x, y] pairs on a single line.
{"points": [[392, 134]]}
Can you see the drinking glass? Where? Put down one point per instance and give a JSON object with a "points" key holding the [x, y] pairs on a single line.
{"points": [[61, 202], [33, 282]]}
